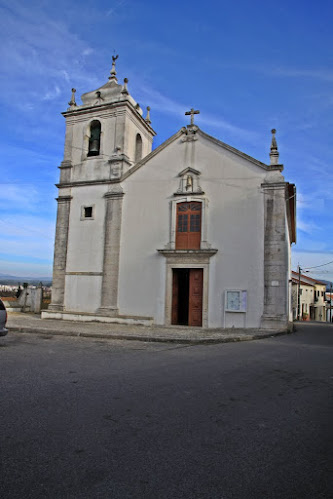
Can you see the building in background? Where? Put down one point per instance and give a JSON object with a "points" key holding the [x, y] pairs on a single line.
{"points": [[193, 233], [329, 303], [311, 295]]}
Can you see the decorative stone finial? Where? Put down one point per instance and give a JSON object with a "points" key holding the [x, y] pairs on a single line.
{"points": [[113, 71], [147, 118], [72, 102], [274, 154], [192, 113], [125, 89]]}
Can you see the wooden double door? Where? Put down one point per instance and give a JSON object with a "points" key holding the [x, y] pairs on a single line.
{"points": [[187, 292]]}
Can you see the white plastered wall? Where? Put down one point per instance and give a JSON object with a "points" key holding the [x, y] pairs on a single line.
{"points": [[85, 250], [235, 227], [131, 131]]}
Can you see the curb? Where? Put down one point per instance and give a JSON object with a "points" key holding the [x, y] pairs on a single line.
{"points": [[156, 339]]}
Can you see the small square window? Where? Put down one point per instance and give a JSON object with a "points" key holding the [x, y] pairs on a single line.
{"points": [[87, 212]]}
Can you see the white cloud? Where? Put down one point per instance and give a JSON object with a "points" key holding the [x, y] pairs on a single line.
{"points": [[27, 238], [157, 100], [319, 74], [66, 75], [41, 57], [229, 127], [163, 104], [25, 227], [87, 51], [307, 227], [52, 94], [115, 8], [13, 196], [323, 74]]}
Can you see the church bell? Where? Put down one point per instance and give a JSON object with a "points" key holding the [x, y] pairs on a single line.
{"points": [[94, 140], [94, 147]]}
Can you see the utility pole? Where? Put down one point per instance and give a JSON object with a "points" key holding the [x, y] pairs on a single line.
{"points": [[299, 294], [330, 302]]}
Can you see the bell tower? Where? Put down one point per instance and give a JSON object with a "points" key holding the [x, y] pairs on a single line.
{"points": [[106, 136]]}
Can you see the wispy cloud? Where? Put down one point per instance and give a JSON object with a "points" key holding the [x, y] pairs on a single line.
{"points": [[323, 73], [18, 226], [306, 226], [87, 51], [16, 195], [163, 104], [52, 94], [157, 100], [229, 127], [115, 7], [41, 51], [318, 74]]}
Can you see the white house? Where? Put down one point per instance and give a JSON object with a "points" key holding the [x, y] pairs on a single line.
{"points": [[192, 233], [309, 297]]}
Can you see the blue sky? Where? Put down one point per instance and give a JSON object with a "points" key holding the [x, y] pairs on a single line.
{"points": [[248, 67]]}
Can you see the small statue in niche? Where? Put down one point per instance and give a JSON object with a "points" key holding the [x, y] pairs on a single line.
{"points": [[189, 183]]}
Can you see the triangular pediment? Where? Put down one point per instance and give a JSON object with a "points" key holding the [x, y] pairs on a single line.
{"points": [[189, 171], [210, 139]]}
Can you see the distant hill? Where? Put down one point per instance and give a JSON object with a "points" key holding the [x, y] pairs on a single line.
{"points": [[11, 279]]}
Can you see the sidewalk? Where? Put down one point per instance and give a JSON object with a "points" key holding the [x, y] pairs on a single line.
{"points": [[31, 323]]}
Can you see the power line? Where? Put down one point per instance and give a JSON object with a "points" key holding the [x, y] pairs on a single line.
{"points": [[319, 272], [317, 266]]}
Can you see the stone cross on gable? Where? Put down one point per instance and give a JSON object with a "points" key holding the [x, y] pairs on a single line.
{"points": [[192, 113]]}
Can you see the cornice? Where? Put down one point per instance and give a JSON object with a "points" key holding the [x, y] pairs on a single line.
{"points": [[84, 110], [188, 256], [275, 185], [87, 182], [64, 199], [240, 153]]}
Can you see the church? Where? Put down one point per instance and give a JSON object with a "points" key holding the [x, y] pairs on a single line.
{"points": [[193, 233]]}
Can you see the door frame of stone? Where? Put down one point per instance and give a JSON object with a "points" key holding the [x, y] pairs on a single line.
{"points": [[186, 259], [169, 289], [187, 291]]}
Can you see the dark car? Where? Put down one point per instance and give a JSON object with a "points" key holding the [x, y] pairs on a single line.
{"points": [[3, 319]]}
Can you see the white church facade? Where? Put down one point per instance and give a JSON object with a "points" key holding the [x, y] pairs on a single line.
{"points": [[193, 233]]}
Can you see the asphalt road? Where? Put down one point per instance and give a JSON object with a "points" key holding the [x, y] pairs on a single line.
{"points": [[82, 418]]}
